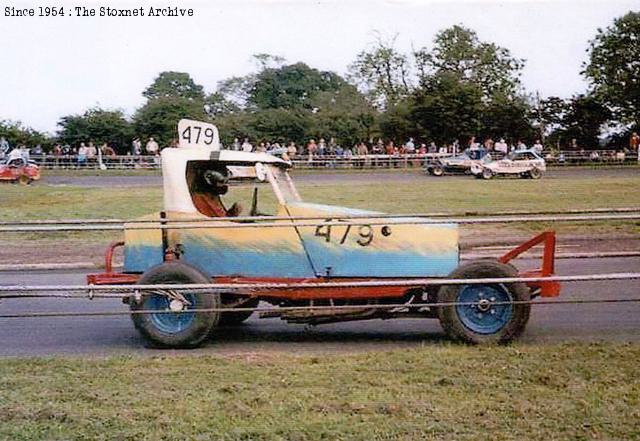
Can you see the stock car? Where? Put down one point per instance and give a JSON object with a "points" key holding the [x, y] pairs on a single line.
{"points": [[523, 163], [19, 170], [292, 255], [457, 164]]}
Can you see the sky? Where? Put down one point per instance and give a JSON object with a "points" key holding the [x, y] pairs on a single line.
{"points": [[55, 66]]}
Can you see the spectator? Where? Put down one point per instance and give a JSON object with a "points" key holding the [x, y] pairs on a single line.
{"points": [[24, 152], [91, 153], [423, 149], [82, 155], [473, 144], [38, 150], [261, 148], [521, 145], [136, 147], [292, 150], [574, 144], [152, 147], [501, 146], [433, 148], [537, 147], [108, 151], [312, 148], [322, 147], [246, 146], [378, 147], [410, 147], [236, 144], [594, 156], [4, 147], [174, 144], [488, 144], [634, 142]]}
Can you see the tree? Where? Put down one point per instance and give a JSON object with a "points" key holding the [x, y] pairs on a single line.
{"points": [[506, 117], [343, 114], [159, 117], [96, 125], [292, 86], [446, 108], [459, 52], [383, 72], [16, 133], [614, 67], [584, 119], [174, 85]]}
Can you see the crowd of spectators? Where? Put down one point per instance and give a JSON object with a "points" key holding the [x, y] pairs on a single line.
{"points": [[87, 154]]}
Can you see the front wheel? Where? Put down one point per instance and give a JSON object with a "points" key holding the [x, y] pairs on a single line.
{"points": [[438, 170], [173, 325], [535, 173], [483, 313]]}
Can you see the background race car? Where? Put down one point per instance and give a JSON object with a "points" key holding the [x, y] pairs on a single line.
{"points": [[457, 164], [19, 170], [523, 163]]}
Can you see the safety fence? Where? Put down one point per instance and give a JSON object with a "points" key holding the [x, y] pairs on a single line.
{"points": [[586, 215], [372, 161], [134, 291], [131, 291]]}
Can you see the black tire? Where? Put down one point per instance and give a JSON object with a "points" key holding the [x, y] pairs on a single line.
{"points": [[437, 170], [535, 173], [508, 323], [24, 180], [198, 326], [236, 318], [487, 173]]}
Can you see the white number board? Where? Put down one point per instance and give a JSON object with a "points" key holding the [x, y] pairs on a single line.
{"points": [[198, 134]]}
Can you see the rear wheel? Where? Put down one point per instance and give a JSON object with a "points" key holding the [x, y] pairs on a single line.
{"points": [[438, 170], [174, 326], [484, 314], [24, 180], [487, 173]]}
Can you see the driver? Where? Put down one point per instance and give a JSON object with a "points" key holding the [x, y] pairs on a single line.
{"points": [[207, 200]]}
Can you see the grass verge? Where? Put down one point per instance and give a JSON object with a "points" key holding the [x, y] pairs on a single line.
{"points": [[437, 392]]}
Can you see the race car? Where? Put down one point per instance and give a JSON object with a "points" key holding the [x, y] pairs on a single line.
{"points": [[292, 255], [19, 170], [523, 163], [457, 164]]}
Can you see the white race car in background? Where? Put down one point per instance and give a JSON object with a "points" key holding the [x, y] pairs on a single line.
{"points": [[525, 163]]}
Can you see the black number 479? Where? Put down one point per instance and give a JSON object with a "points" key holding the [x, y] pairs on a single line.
{"points": [[193, 134]]}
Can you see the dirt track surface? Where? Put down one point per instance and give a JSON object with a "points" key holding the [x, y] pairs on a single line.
{"points": [[116, 335], [332, 177]]}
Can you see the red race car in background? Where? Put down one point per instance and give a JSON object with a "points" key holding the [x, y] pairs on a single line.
{"points": [[19, 170]]}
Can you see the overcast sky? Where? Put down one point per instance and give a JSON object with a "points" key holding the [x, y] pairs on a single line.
{"points": [[55, 66]]}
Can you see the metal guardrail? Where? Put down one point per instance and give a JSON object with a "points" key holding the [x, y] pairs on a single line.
{"points": [[62, 291], [228, 223], [370, 161], [437, 214]]}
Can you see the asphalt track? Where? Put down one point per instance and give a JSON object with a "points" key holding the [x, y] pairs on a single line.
{"points": [[328, 177], [96, 336]]}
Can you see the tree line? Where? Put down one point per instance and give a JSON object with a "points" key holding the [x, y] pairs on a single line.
{"points": [[453, 89]]}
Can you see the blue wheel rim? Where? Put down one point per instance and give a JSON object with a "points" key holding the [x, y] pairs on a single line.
{"points": [[487, 318], [170, 323]]}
